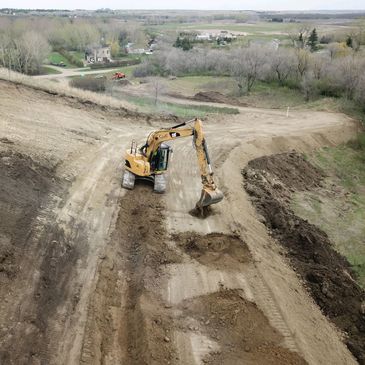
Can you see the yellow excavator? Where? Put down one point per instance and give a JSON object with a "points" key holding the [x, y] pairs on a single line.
{"points": [[151, 161]]}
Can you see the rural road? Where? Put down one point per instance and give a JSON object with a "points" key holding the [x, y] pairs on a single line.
{"points": [[108, 276], [70, 72]]}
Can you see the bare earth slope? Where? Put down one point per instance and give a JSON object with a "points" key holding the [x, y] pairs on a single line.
{"points": [[92, 274]]}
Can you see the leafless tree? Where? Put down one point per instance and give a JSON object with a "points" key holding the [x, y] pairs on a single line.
{"points": [[282, 64], [247, 64], [347, 72], [302, 62], [157, 88]]}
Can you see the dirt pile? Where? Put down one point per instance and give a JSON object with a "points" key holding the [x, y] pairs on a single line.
{"points": [[215, 249], [241, 329], [216, 97], [270, 182]]}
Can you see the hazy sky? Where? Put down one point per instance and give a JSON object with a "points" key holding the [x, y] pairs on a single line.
{"points": [[189, 4]]}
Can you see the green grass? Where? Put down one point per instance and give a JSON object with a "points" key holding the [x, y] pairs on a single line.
{"points": [[185, 111], [238, 27], [55, 57], [79, 55], [338, 208], [49, 71], [128, 70]]}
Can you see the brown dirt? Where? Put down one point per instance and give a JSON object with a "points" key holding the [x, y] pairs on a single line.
{"points": [[241, 329], [216, 97], [215, 249], [270, 181], [127, 319], [24, 185], [25, 189]]}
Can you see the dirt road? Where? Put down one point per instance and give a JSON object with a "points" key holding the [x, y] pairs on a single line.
{"points": [[70, 72], [97, 275]]}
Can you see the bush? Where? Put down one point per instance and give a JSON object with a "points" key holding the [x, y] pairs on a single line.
{"points": [[115, 64], [89, 83]]}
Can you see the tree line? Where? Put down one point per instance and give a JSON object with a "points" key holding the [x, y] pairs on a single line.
{"points": [[337, 74], [26, 42]]}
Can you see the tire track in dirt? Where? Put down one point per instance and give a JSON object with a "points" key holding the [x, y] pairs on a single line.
{"points": [[127, 320], [131, 319]]}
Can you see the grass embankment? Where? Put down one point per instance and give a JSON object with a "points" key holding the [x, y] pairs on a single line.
{"points": [[148, 105], [339, 207], [48, 71]]}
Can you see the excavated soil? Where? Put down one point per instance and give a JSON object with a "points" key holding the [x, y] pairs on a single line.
{"points": [[241, 329], [217, 250], [25, 189], [127, 321], [216, 97], [270, 182], [23, 186], [130, 322]]}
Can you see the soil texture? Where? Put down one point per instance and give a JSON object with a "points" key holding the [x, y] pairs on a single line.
{"points": [[270, 182]]}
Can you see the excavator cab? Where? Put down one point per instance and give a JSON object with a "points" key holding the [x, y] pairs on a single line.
{"points": [[160, 158]]}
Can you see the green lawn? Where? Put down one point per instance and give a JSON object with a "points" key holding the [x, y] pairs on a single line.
{"points": [[79, 55], [253, 28], [338, 208], [55, 57]]}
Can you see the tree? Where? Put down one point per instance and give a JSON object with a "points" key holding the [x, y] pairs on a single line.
{"points": [[282, 64], [183, 43], [313, 40], [157, 88], [302, 62], [247, 65], [349, 41]]}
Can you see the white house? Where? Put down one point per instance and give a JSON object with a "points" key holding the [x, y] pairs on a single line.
{"points": [[98, 54]]}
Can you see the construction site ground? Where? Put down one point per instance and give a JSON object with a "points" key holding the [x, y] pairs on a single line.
{"points": [[94, 274]]}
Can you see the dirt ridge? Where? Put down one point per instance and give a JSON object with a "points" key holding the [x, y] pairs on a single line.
{"points": [[270, 181]]}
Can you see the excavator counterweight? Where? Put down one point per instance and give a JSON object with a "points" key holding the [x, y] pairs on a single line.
{"points": [[151, 161]]}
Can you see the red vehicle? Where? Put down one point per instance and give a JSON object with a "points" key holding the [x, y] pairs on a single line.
{"points": [[118, 75]]}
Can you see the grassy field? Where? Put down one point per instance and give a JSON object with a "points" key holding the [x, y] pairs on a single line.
{"points": [[79, 55], [339, 207], [56, 57], [185, 111]]}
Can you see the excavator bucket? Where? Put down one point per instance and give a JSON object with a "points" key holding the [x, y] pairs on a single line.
{"points": [[209, 197]]}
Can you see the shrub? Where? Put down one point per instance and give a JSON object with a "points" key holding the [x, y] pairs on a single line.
{"points": [[89, 83], [115, 64]]}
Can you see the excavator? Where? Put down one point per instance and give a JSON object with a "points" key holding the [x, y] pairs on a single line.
{"points": [[151, 161]]}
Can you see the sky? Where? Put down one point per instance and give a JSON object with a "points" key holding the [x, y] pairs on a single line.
{"points": [[189, 4]]}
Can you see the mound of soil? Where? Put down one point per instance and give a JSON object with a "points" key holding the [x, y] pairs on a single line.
{"points": [[23, 186], [242, 330], [270, 182], [214, 249], [216, 97]]}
